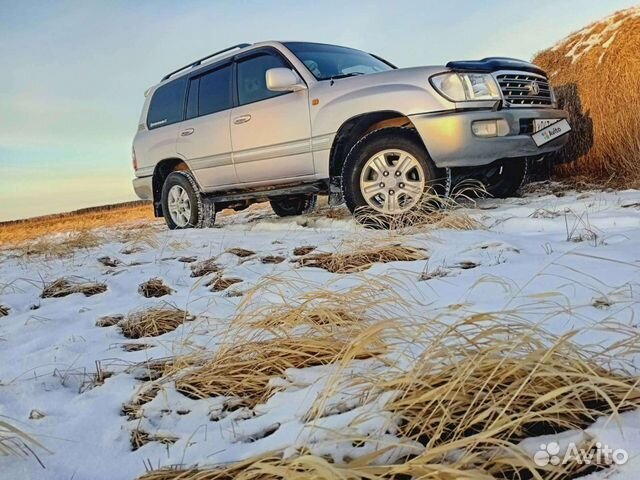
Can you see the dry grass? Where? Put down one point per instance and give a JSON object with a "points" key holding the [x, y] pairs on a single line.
{"points": [[135, 409], [222, 283], [135, 347], [244, 370], [4, 310], [139, 438], [110, 261], [240, 470], [14, 233], [323, 310], [486, 377], [303, 250], [240, 252], [109, 320], [477, 390], [154, 288], [272, 259], [153, 322], [362, 258], [66, 286], [433, 211], [204, 267], [59, 246], [599, 89], [14, 442]]}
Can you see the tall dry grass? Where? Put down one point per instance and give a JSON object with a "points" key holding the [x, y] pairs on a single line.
{"points": [[15, 442], [461, 409], [599, 84], [16, 232]]}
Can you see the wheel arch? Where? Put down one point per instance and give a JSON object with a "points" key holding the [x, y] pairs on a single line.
{"points": [[356, 127], [160, 173]]}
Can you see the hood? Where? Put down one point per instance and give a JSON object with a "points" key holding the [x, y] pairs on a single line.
{"points": [[493, 64]]}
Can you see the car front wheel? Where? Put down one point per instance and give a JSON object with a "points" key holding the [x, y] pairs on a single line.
{"points": [[503, 179], [389, 173]]}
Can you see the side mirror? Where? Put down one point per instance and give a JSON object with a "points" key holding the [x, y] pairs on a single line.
{"points": [[283, 80]]}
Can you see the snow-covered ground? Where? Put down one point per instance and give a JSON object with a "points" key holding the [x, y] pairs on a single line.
{"points": [[566, 262]]}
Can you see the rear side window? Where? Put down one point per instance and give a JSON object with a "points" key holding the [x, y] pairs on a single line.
{"points": [[192, 99], [252, 84], [214, 91], [167, 104]]}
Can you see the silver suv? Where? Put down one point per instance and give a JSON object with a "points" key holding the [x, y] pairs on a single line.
{"points": [[287, 121]]}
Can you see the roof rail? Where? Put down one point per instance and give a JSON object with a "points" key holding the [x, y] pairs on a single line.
{"points": [[199, 62]]}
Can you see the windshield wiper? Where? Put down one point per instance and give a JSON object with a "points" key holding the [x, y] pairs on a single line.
{"points": [[345, 75]]}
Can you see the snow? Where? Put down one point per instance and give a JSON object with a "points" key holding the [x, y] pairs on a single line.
{"points": [[598, 34], [577, 250]]}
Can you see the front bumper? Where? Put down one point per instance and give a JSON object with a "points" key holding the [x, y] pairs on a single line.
{"points": [[451, 143], [143, 187]]}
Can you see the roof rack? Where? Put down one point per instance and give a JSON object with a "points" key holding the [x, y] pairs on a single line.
{"points": [[199, 62]]}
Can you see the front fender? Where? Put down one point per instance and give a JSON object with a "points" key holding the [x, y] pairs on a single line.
{"points": [[337, 104]]}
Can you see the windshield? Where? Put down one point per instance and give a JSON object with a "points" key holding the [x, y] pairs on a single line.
{"points": [[331, 61]]}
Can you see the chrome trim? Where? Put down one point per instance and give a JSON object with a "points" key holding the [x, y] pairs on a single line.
{"points": [[220, 160], [296, 147], [541, 79]]}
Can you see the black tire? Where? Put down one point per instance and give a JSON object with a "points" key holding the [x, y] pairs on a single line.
{"points": [[202, 210], [503, 179], [290, 206], [372, 143]]}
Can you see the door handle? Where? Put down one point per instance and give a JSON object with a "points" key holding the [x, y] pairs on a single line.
{"points": [[241, 119], [187, 132]]}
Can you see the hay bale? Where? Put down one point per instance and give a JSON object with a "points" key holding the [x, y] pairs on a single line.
{"points": [[596, 74]]}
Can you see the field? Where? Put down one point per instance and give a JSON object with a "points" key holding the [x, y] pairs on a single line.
{"points": [[469, 345]]}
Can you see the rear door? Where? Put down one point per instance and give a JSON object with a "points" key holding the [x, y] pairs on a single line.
{"points": [[204, 139], [270, 131], [158, 140]]}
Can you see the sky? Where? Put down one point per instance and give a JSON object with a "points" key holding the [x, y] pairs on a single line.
{"points": [[74, 72]]}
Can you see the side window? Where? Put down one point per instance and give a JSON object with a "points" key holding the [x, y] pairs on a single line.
{"points": [[215, 91], [192, 98], [167, 104], [252, 84]]}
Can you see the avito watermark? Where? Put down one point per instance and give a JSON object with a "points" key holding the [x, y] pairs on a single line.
{"points": [[599, 454]]}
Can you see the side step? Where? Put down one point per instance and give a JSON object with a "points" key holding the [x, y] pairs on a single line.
{"points": [[263, 195]]}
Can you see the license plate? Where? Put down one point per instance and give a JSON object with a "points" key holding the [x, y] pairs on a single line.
{"points": [[541, 123], [556, 128]]}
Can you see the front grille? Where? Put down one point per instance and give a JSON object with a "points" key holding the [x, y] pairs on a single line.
{"points": [[519, 89]]}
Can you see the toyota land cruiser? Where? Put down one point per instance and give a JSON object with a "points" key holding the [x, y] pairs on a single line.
{"points": [[287, 121]]}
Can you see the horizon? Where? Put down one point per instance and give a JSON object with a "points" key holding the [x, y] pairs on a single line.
{"points": [[65, 143]]}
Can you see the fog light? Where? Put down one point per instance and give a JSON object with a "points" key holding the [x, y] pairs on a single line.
{"points": [[490, 128]]}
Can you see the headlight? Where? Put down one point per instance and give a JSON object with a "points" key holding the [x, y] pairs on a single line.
{"points": [[462, 87]]}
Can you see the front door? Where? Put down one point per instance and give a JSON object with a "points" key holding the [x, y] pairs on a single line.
{"points": [[270, 131], [204, 139]]}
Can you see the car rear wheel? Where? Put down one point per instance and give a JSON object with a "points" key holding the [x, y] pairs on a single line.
{"points": [[298, 205], [183, 205], [387, 174]]}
